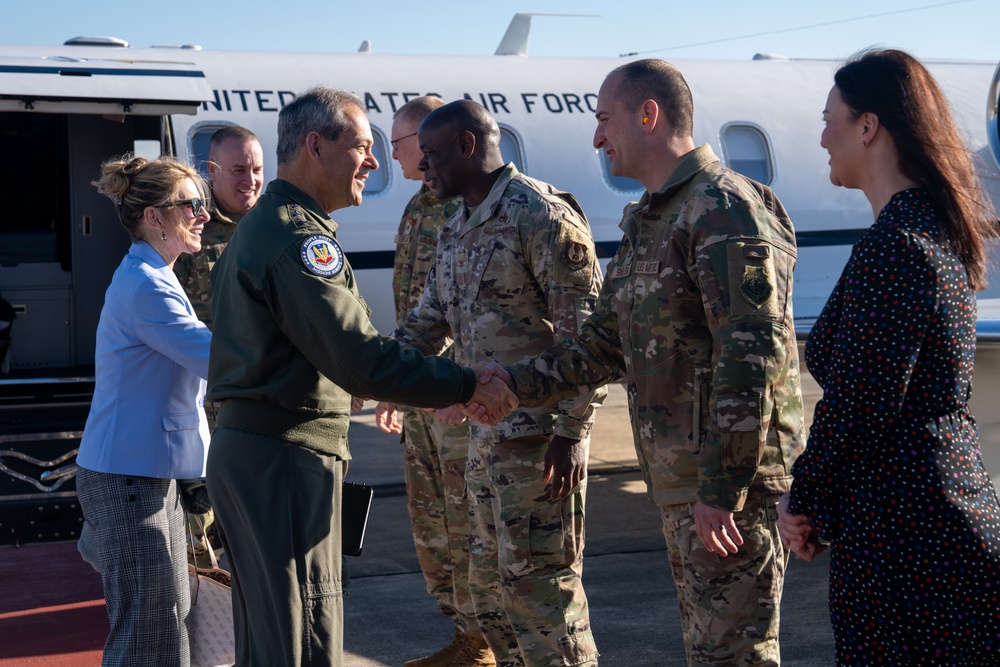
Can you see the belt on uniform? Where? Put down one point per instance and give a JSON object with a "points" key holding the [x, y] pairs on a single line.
{"points": [[320, 432]]}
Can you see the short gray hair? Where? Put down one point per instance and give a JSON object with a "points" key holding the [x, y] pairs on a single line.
{"points": [[418, 108], [321, 110]]}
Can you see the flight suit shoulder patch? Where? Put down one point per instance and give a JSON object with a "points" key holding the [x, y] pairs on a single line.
{"points": [[322, 255]]}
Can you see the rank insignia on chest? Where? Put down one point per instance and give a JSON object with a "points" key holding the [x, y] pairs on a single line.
{"points": [[576, 256], [297, 215], [322, 255], [755, 288]]}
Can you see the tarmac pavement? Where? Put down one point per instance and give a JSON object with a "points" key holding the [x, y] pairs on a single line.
{"points": [[390, 618]]}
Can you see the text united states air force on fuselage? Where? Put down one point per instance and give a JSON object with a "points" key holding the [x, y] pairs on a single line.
{"points": [[496, 103]]}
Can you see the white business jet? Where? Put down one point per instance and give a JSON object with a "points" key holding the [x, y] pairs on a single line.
{"points": [[64, 109]]}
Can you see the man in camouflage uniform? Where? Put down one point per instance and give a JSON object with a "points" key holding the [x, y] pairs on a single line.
{"points": [[236, 172], [436, 452], [515, 272], [696, 311]]}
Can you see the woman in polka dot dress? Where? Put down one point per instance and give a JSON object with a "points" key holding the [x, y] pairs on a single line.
{"points": [[892, 476]]}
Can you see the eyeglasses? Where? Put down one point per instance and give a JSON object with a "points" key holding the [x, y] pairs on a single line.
{"points": [[393, 142], [197, 204]]}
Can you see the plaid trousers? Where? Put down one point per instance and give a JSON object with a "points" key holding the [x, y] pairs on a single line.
{"points": [[133, 535]]}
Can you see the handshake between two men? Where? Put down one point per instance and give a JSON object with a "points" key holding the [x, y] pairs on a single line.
{"points": [[565, 465], [490, 404]]}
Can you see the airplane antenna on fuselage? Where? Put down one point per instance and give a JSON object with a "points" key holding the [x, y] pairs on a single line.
{"points": [[515, 40], [366, 47]]}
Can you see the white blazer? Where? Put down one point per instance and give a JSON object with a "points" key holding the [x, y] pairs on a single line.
{"points": [[146, 418]]}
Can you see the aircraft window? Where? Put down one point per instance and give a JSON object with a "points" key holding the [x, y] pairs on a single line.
{"points": [[147, 148], [378, 180], [510, 148], [623, 185], [198, 140], [747, 151]]}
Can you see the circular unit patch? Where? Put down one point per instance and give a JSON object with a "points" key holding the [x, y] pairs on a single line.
{"points": [[322, 255]]}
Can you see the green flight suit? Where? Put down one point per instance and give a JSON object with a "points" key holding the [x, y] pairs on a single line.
{"points": [[292, 344]]}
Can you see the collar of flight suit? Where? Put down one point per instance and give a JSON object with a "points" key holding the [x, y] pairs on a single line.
{"points": [[693, 163], [285, 189]]}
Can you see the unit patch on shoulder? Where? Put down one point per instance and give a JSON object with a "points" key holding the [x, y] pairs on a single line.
{"points": [[298, 216], [756, 288], [576, 255], [322, 255]]}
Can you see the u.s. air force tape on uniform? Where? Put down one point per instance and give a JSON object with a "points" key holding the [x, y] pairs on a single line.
{"points": [[322, 255]]}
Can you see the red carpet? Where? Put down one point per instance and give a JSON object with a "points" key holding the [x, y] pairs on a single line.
{"points": [[51, 607]]}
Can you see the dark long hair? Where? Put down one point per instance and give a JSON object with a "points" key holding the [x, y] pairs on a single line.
{"points": [[909, 104]]}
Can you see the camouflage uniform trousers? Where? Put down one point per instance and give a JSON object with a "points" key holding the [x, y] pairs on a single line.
{"points": [[729, 606], [204, 526], [438, 503], [526, 553]]}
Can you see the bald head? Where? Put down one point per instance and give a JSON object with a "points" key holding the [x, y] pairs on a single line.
{"points": [[467, 116], [461, 151]]}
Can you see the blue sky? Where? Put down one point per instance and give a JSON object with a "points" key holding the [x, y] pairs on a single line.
{"points": [[963, 29]]}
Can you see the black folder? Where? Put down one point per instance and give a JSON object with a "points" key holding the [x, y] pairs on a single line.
{"points": [[357, 501]]}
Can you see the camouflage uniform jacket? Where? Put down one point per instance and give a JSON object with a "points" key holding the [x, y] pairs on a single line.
{"points": [[193, 269], [293, 341], [511, 279], [416, 244], [697, 309]]}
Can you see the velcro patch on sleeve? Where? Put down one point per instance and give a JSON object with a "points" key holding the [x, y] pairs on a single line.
{"points": [[322, 255], [752, 288], [575, 257]]}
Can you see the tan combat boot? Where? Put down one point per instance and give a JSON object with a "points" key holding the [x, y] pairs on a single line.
{"points": [[475, 653], [445, 656]]}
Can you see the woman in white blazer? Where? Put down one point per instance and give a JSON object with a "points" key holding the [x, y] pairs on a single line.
{"points": [[146, 427]]}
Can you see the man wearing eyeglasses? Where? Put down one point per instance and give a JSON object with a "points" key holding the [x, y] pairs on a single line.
{"points": [[436, 451], [236, 172]]}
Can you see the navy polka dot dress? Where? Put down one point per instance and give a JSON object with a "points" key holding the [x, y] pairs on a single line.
{"points": [[892, 474]]}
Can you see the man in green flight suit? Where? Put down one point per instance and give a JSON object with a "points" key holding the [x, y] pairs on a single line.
{"points": [[292, 344]]}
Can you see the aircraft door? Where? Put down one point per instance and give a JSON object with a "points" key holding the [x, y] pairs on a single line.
{"points": [[98, 240]]}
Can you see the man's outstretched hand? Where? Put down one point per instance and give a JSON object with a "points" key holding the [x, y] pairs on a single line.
{"points": [[491, 403], [386, 418], [489, 369]]}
